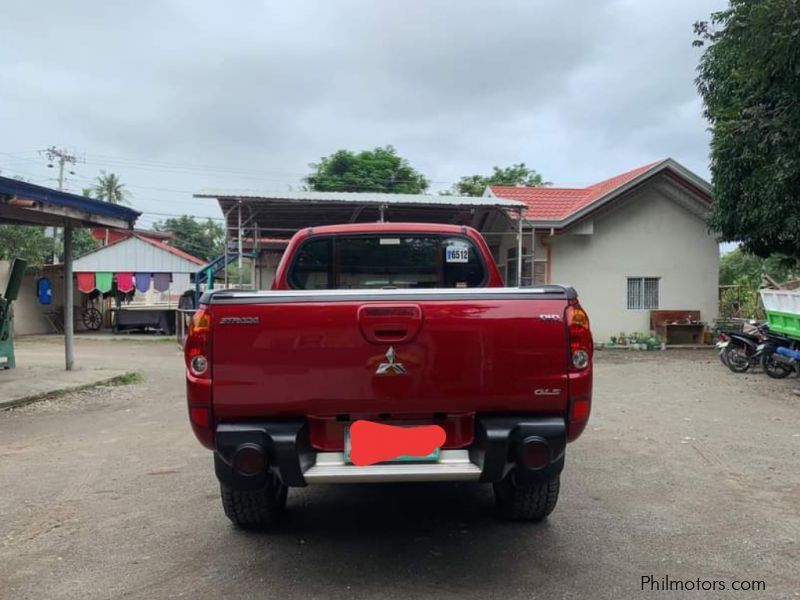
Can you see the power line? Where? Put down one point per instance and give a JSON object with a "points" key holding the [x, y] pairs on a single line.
{"points": [[160, 214], [187, 168], [347, 187]]}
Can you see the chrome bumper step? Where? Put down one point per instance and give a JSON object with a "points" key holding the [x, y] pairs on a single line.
{"points": [[453, 465]]}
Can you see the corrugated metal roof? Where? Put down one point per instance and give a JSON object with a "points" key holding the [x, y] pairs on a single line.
{"points": [[364, 198], [89, 206], [136, 255]]}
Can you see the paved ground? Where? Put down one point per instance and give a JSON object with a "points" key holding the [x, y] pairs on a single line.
{"points": [[686, 470], [40, 369]]}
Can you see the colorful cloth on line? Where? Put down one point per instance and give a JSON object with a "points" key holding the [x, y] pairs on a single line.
{"points": [[85, 282], [125, 282], [143, 281], [161, 282], [103, 280]]}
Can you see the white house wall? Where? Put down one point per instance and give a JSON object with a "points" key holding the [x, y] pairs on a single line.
{"points": [[267, 265], [29, 314], [649, 236], [133, 255]]}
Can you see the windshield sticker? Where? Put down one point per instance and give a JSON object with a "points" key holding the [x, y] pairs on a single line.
{"points": [[457, 252]]}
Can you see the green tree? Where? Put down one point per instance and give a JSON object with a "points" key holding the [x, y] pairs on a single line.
{"points": [[203, 239], [475, 185], [749, 79], [378, 170], [34, 245], [82, 242], [738, 267], [108, 187], [746, 271], [25, 241]]}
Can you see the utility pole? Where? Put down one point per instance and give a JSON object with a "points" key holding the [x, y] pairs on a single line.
{"points": [[62, 157]]}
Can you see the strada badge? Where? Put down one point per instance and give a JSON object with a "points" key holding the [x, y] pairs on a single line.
{"points": [[238, 321]]}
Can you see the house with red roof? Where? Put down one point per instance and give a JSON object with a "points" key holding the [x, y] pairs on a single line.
{"points": [[630, 244]]}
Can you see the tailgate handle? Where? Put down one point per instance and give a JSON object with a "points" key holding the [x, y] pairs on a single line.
{"points": [[389, 323]]}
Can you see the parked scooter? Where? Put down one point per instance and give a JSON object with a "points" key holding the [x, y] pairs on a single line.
{"points": [[739, 351]]}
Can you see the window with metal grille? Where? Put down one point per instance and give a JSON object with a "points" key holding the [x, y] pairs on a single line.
{"points": [[642, 293]]}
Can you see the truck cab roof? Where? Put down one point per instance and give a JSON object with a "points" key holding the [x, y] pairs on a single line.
{"points": [[359, 228]]}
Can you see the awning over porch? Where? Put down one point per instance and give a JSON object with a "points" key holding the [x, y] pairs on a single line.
{"points": [[23, 203]]}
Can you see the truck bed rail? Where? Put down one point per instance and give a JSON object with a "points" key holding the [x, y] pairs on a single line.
{"points": [[445, 294]]}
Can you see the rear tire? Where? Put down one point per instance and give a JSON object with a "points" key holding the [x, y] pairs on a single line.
{"points": [[736, 359], [773, 368], [257, 508], [531, 502]]}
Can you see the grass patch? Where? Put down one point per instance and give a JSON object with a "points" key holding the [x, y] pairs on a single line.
{"points": [[129, 378]]}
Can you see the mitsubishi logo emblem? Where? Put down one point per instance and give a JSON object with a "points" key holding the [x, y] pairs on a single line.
{"points": [[390, 367]]}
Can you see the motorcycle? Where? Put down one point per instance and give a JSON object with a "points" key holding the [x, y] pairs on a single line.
{"points": [[740, 351], [779, 355]]}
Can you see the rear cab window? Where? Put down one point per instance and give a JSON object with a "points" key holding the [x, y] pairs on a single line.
{"points": [[401, 261]]}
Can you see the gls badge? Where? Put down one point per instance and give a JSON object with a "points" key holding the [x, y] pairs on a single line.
{"points": [[547, 392]]}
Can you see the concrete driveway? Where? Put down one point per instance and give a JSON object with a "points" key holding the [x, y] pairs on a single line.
{"points": [[686, 471]]}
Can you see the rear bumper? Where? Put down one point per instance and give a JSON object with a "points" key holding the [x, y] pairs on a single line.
{"points": [[498, 449]]}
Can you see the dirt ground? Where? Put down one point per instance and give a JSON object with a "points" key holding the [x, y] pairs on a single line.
{"points": [[686, 471]]}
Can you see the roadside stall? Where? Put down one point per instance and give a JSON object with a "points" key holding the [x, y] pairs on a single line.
{"points": [[136, 283]]}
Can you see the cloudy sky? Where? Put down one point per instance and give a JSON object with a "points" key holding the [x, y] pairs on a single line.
{"points": [[180, 95]]}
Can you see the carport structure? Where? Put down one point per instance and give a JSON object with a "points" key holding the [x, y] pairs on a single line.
{"points": [[254, 217], [23, 203]]}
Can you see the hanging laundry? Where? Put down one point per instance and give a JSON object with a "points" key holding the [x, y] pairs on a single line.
{"points": [[143, 281], [181, 282], [125, 282], [103, 281], [161, 281], [85, 282]]}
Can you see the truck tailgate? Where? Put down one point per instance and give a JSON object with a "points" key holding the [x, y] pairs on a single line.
{"points": [[388, 352]]}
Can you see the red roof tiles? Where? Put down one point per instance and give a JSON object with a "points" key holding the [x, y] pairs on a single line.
{"points": [[556, 204]]}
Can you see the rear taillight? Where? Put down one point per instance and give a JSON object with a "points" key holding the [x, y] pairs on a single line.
{"points": [[581, 346], [197, 344], [723, 337], [197, 355], [581, 349]]}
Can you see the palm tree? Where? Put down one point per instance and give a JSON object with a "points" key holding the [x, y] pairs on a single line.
{"points": [[108, 187]]}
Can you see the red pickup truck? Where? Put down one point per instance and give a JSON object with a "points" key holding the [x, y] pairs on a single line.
{"points": [[401, 331]]}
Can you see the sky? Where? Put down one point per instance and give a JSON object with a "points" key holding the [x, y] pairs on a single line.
{"points": [[176, 96]]}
